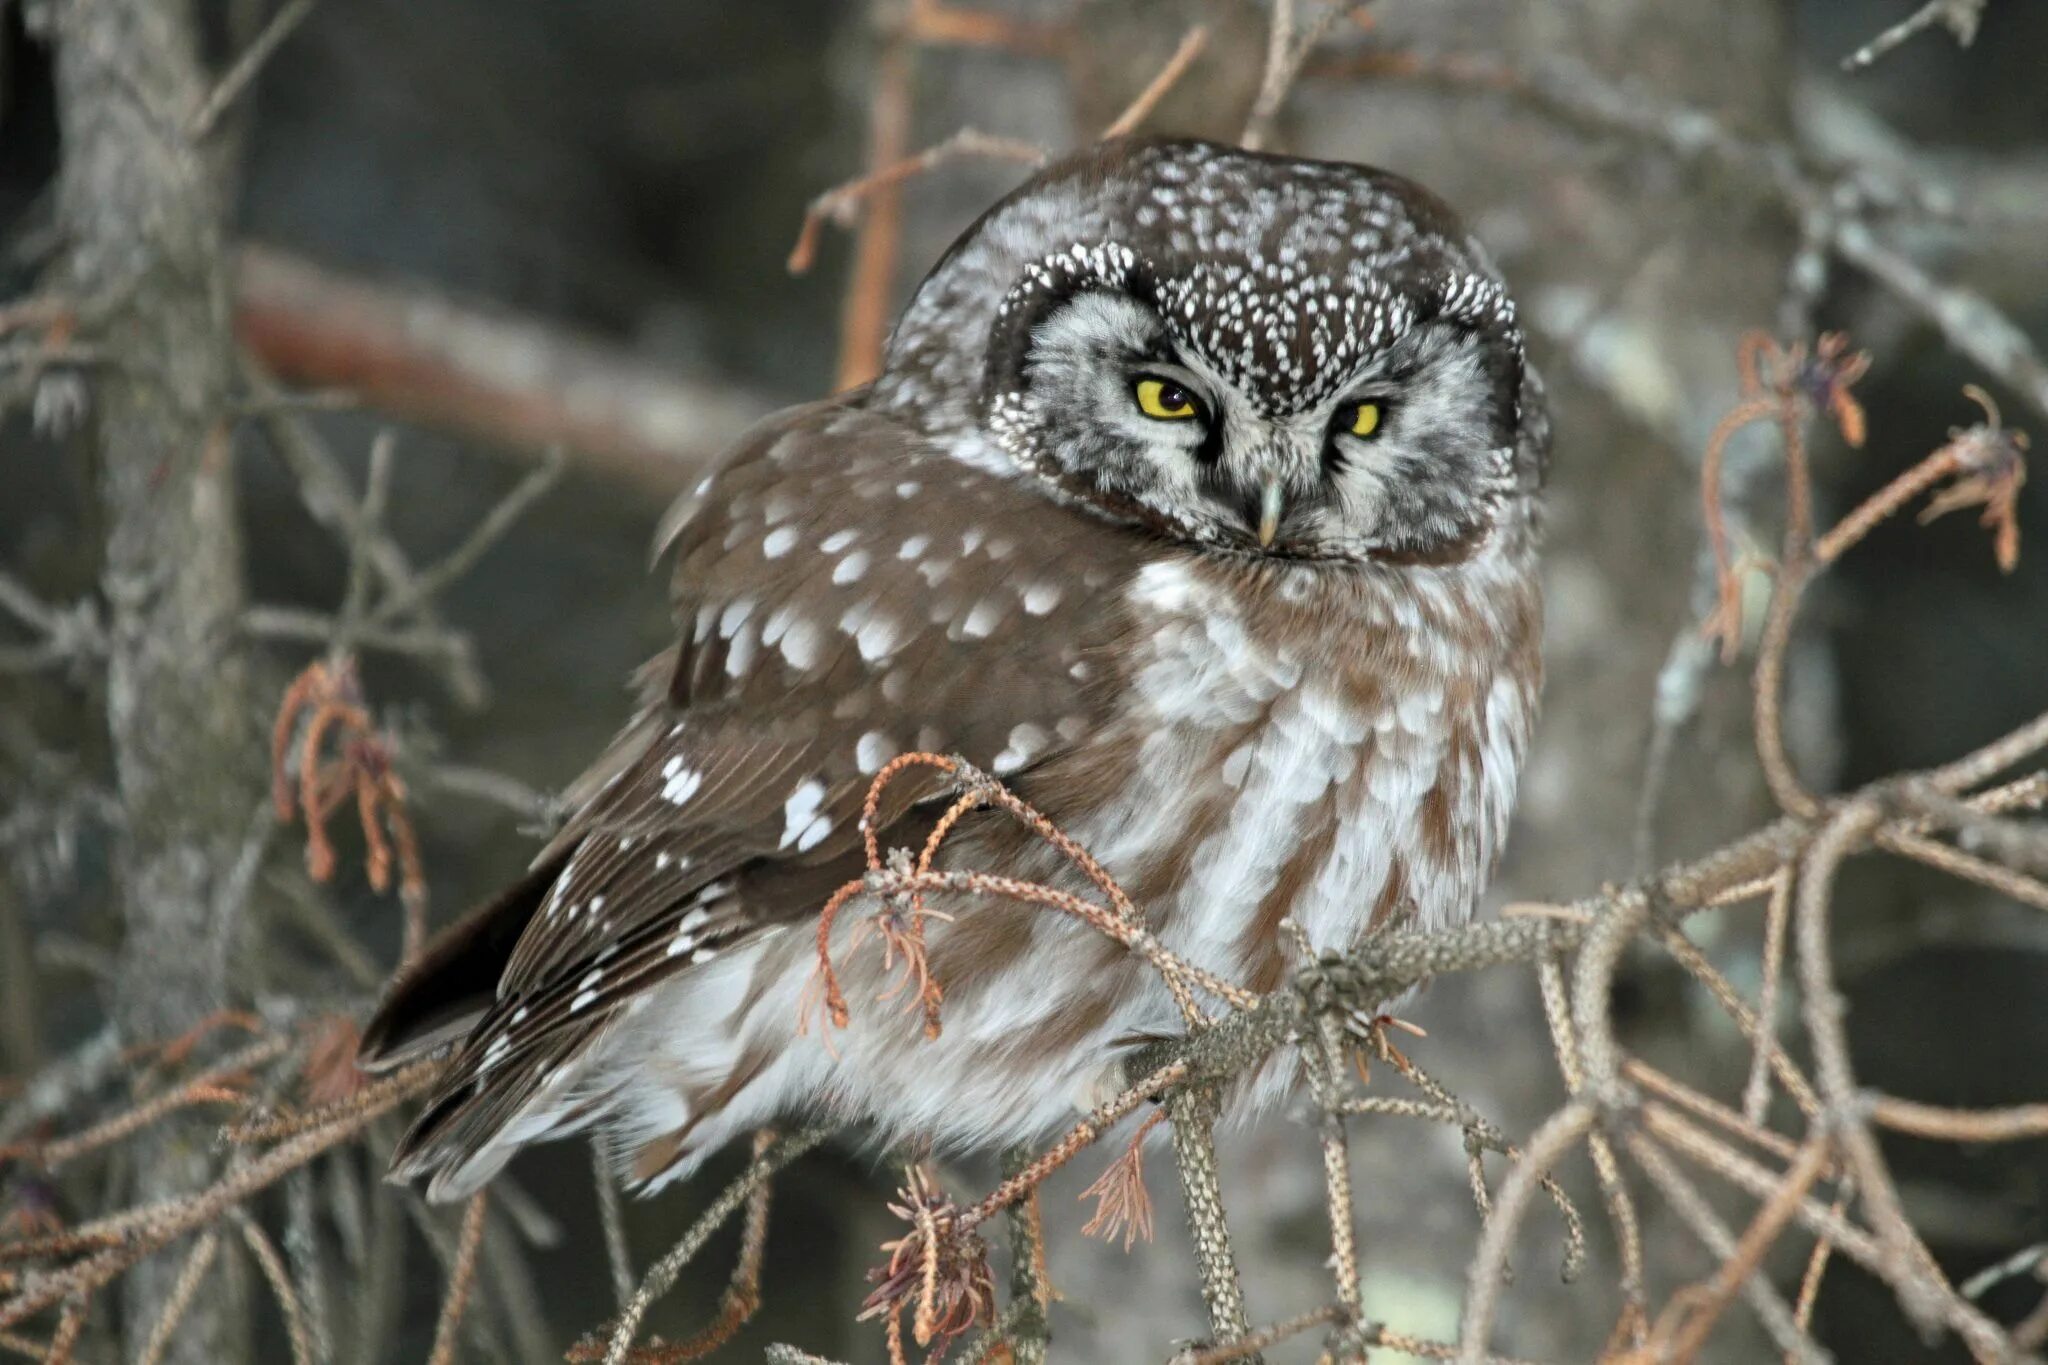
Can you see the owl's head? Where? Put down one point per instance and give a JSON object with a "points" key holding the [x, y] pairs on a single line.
{"points": [[1260, 355]]}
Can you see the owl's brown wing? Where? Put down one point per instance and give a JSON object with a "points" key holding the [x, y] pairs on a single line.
{"points": [[845, 593]]}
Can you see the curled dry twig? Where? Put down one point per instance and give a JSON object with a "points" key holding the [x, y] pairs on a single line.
{"points": [[326, 701], [1986, 461]]}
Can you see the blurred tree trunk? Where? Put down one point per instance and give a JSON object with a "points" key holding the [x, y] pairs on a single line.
{"points": [[142, 218]]}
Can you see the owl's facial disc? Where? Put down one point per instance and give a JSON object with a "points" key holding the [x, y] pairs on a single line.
{"points": [[1404, 456]]}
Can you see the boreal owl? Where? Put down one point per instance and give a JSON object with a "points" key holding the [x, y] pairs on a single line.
{"points": [[1196, 500]]}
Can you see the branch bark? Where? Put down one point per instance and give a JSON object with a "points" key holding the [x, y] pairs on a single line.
{"points": [[141, 208], [486, 372]]}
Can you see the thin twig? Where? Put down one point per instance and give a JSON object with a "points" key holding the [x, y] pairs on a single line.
{"points": [[1157, 89], [1559, 1133], [1741, 1263], [247, 66], [612, 1220], [1960, 17], [1271, 1335], [875, 190], [461, 1280], [486, 533], [1756, 1092], [662, 1274], [297, 1334], [183, 1290], [1285, 57], [1700, 1218]]}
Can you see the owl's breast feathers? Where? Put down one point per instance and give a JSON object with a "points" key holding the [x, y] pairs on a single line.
{"points": [[1347, 742], [1238, 741]]}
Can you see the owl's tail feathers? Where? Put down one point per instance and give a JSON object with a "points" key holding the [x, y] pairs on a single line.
{"points": [[470, 1129], [441, 996]]}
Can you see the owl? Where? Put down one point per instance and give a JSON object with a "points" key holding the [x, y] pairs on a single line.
{"points": [[1197, 501]]}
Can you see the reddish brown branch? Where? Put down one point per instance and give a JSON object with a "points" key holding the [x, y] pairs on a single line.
{"points": [[1161, 85], [1698, 1309], [935, 24], [871, 284], [519, 382]]}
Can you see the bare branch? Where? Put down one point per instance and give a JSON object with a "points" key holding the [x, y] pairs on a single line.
{"points": [[662, 1274], [515, 381], [1160, 85], [1840, 208], [460, 1280], [481, 537], [71, 635], [1960, 17], [1286, 53], [248, 66]]}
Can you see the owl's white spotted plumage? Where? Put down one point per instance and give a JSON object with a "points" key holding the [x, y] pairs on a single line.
{"points": [[1197, 500]]}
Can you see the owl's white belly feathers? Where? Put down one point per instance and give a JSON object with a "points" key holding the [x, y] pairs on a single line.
{"points": [[1268, 784]]}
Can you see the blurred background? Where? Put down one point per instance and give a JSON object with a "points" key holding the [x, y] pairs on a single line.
{"points": [[628, 176]]}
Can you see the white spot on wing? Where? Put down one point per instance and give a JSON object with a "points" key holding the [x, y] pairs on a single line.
{"points": [[982, 619], [873, 750], [740, 652], [1025, 742], [1040, 598], [681, 785], [877, 637], [801, 809], [800, 643]]}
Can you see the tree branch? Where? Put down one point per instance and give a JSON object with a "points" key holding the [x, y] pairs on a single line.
{"points": [[483, 371], [142, 217]]}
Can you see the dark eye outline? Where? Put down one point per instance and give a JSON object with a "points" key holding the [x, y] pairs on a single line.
{"points": [[1197, 411]]}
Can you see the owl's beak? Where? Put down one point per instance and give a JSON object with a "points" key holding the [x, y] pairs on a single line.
{"points": [[1271, 502]]}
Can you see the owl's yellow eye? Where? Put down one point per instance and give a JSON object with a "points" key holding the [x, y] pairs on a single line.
{"points": [[1165, 400], [1365, 419]]}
